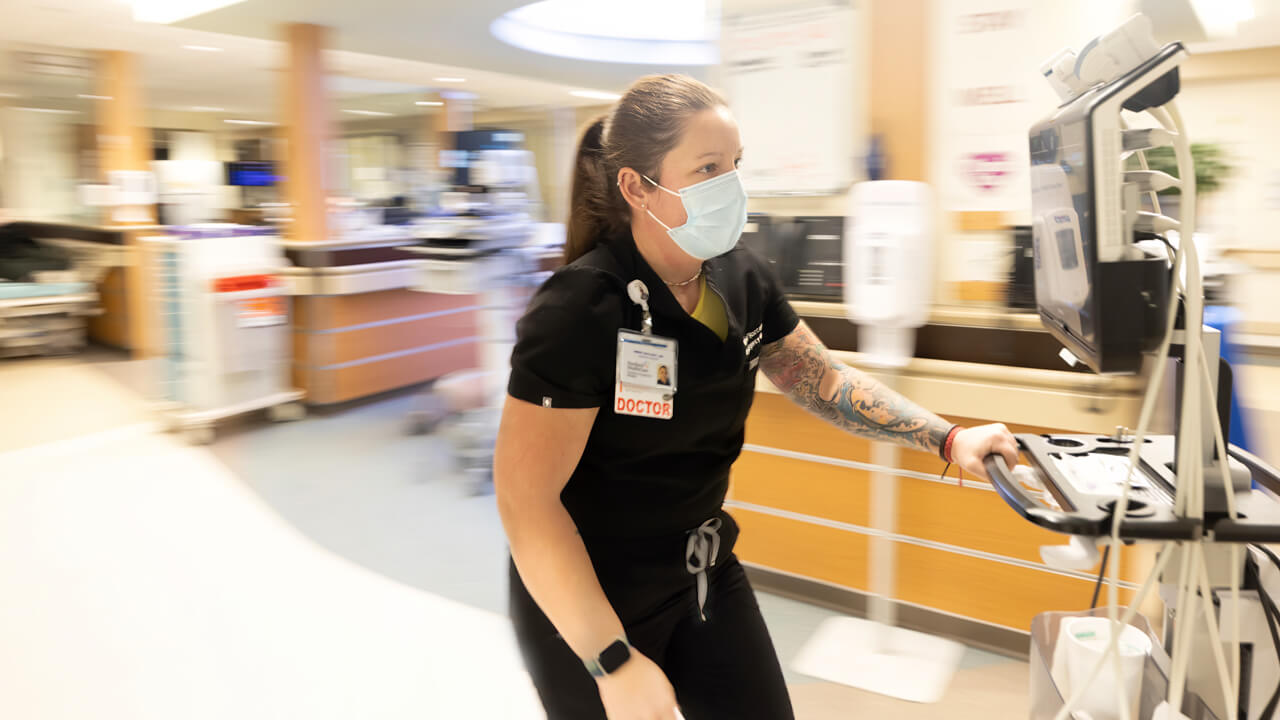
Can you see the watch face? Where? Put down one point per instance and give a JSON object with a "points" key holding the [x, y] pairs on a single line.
{"points": [[614, 656]]}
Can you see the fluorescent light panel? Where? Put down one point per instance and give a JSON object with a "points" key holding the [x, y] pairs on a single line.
{"points": [[429, 103], [451, 79], [51, 111], [203, 48], [86, 96], [247, 122], [206, 108], [369, 113]]}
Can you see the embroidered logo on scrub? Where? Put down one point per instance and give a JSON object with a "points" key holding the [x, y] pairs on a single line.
{"points": [[751, 340]]}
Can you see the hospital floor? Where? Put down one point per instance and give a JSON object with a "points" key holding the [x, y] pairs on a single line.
{"points": [[329, 568]]}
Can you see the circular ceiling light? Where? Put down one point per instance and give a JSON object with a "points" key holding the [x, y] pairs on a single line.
{"points": [[657, 32]]}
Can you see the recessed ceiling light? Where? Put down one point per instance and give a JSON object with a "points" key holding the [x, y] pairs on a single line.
{"points": [[248, 122], [450, 79], [86, 96], [51, 111], [171, 11], [8, 95], [429, 103], [203, 48], [658, 32], [370, 113], [206, 108], [594, 94]]}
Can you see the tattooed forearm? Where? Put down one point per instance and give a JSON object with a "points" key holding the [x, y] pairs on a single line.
{"points": [[800, 366]]}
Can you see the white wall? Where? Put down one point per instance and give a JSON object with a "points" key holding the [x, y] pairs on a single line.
{"points": [[1240, 115], [39, 180]]}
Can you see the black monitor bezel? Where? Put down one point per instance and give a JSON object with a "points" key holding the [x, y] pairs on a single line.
{"points": [[1083, 108]]}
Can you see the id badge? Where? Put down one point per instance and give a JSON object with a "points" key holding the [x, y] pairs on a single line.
{"points": [[646, 376]]}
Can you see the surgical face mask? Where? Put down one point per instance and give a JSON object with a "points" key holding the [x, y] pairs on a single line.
{"points": [[717, 212]]}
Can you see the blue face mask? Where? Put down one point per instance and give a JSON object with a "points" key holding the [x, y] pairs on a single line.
{"points": [[717, 212]]}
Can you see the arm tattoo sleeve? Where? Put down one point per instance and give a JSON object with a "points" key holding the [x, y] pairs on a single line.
{"points": [[801, 367]]}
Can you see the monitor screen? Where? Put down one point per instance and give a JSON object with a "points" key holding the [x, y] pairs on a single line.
{"points": [[1063, 226], [467, 145], [251, 174]]}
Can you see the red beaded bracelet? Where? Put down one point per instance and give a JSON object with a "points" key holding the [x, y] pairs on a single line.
{"points": [[945, 450]]}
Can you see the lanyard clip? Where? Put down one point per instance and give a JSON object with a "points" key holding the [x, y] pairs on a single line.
{"points": [[639, 294]]}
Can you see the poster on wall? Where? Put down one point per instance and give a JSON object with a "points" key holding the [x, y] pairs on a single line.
{"points": [[789, 77], [988, 92], [984, 79]]}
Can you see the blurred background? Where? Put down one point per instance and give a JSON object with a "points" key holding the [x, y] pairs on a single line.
{"points": [[260, 262]]}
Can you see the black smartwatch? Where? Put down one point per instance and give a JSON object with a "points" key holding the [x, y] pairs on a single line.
{"points": [[609, 659]]}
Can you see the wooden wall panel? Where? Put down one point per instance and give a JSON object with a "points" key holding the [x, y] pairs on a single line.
{"points": [[322, 349], [977, 220], [824, 491], [988, 591], [776, 421], [325, 312], [981, 291], [814, 551], [969, 518], [975, 588], [976, 519], [349, 342], [325, 387]]}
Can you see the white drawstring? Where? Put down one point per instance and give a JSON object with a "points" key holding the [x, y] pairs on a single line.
{"points": [[700, 554]]}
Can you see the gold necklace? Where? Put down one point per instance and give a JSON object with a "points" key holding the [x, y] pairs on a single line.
{"points": [[686, 282]]}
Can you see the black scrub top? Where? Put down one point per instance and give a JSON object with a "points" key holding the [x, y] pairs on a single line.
{"points": [[643, 477]]}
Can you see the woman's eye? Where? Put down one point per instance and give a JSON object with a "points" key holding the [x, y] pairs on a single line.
{"points": [[708, 168], [737, 163]]}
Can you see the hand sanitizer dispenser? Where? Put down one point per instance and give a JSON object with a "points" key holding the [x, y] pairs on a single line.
{"points": [[888, 268]]}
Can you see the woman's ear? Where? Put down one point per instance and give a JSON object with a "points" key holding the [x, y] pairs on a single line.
{"points": [[634, 188]]}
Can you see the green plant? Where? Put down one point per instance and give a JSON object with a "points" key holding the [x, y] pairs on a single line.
{"points": [[1211, 167]]}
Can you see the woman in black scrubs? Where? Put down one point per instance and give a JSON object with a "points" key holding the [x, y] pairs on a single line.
{"points": [[626, 597]]}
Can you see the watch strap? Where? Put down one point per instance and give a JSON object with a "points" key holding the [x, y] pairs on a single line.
{"points": [[614, 656]]}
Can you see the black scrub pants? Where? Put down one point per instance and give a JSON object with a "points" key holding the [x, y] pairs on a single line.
{"points": [[721, 668]]}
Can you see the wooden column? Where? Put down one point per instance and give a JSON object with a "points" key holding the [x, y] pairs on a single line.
{"points": [[308, 129], [459, 112], [433, 129], [900, 56], [124, 143], [124, 139], [455, 115]]}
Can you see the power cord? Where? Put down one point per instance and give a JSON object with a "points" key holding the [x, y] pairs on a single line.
{"points": [[1102, 571]]}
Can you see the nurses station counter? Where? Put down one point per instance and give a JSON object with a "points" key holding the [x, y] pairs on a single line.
{"points": [[360, 330], [966, 565]]}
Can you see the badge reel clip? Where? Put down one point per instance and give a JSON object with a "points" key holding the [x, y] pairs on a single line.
{"points": [[639, 295]]}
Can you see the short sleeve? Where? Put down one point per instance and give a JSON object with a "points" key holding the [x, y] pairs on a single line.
{"points": [[779, 317], [564, 352]]}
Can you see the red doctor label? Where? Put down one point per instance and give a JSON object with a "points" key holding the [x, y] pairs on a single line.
{"points": [[643, 403]]}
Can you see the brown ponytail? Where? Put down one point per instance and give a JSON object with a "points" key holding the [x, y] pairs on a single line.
{"points": [[638, 133]]}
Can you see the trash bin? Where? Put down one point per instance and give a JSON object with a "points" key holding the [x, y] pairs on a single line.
{"points": [[1046, 697]]}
